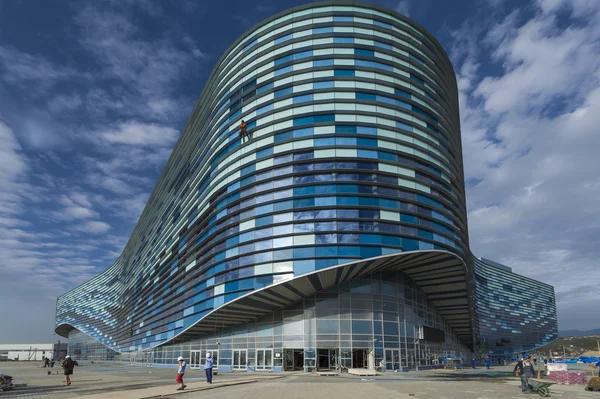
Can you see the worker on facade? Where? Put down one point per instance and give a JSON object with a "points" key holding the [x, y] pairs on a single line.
{"points": [[243, 131]]}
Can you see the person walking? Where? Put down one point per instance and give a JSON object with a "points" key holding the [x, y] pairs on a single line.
{"points": [[524, 369], [180, 372], [488, 362], [473, 362], [68, 365], [208, 368]]}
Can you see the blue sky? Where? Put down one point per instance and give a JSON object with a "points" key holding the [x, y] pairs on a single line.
{"points": [[93, 95]]}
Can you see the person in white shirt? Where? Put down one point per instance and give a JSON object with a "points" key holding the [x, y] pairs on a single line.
{"points": [[180, 373]]}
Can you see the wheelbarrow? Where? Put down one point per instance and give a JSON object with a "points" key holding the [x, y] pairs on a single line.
{"points": [[542, 388]]}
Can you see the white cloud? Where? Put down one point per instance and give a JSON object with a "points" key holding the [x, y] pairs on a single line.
{"points": [[141, 134], [93, 227], [403, 7], [530, 145]]}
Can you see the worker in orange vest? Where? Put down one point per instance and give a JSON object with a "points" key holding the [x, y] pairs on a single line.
{"points": [[243, 131]]}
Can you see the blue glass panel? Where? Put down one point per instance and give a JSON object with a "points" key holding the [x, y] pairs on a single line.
{"points": [[412, 57], [425, 234], [359, 51], [343, 200], [383, 45], [408, 218], [404, 105], [282, 39], [387, 203], [410, 244], [362, 327], [303, 121], [304, 98], [283, 70], [325, 263], [347, 188], [326, 189], [283, 92], [364, 63], [342, 19], [366, 142], [283, 205], [231, 286], [324, 118], [385, 67], [249, 45], [425, 245], [326, 29], [321, 142], [343, 72], [302, 54], [365, 96], [308, 252], [320, 63], [386, 156], [417, 79], [263, 153], [391, 240], [264, 88], [366, 130], [304, 202], [345, 129], [306, 190], [430, 126], [283, 136], [282, 60], [303, 266], [263, 221], [426, 114], [383, 24], [307, 131], [264, 109], [368, 201], [367, 154], [323, 85], [325, 201], [384, 99], [404, 126], [248, 169], [343, 40]]}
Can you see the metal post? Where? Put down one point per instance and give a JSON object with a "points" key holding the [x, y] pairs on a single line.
{"points": [[598, 342]]}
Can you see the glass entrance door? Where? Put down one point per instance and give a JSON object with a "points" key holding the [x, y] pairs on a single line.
{"points": [[264, 359], [392, 359], [195, 359], [239, 359]]}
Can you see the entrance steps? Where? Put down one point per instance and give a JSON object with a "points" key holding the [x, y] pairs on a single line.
{"points": [[326, 373], [362, 372]]}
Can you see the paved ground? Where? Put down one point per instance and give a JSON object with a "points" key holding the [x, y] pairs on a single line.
{"points": [[121, 381]]}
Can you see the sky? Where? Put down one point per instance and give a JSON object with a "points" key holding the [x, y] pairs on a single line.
{"points": [[94, 94]]}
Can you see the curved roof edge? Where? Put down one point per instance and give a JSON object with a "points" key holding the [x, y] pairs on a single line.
{"points": [[443, 276]]}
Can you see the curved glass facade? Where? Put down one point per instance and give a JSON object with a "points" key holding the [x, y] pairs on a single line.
{"points": [[355, 154]]}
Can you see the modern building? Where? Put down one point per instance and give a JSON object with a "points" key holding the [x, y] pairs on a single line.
{"points": [[513, 313], [32, 352], [336, 235]]}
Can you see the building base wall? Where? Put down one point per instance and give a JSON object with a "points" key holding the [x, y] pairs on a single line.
{"points": [[363, 323]]}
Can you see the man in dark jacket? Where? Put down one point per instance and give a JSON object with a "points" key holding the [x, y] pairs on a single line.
{"points": [[525, 369]]}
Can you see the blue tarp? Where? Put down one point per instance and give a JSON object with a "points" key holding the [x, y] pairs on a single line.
{"points": [[589, 359]]}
